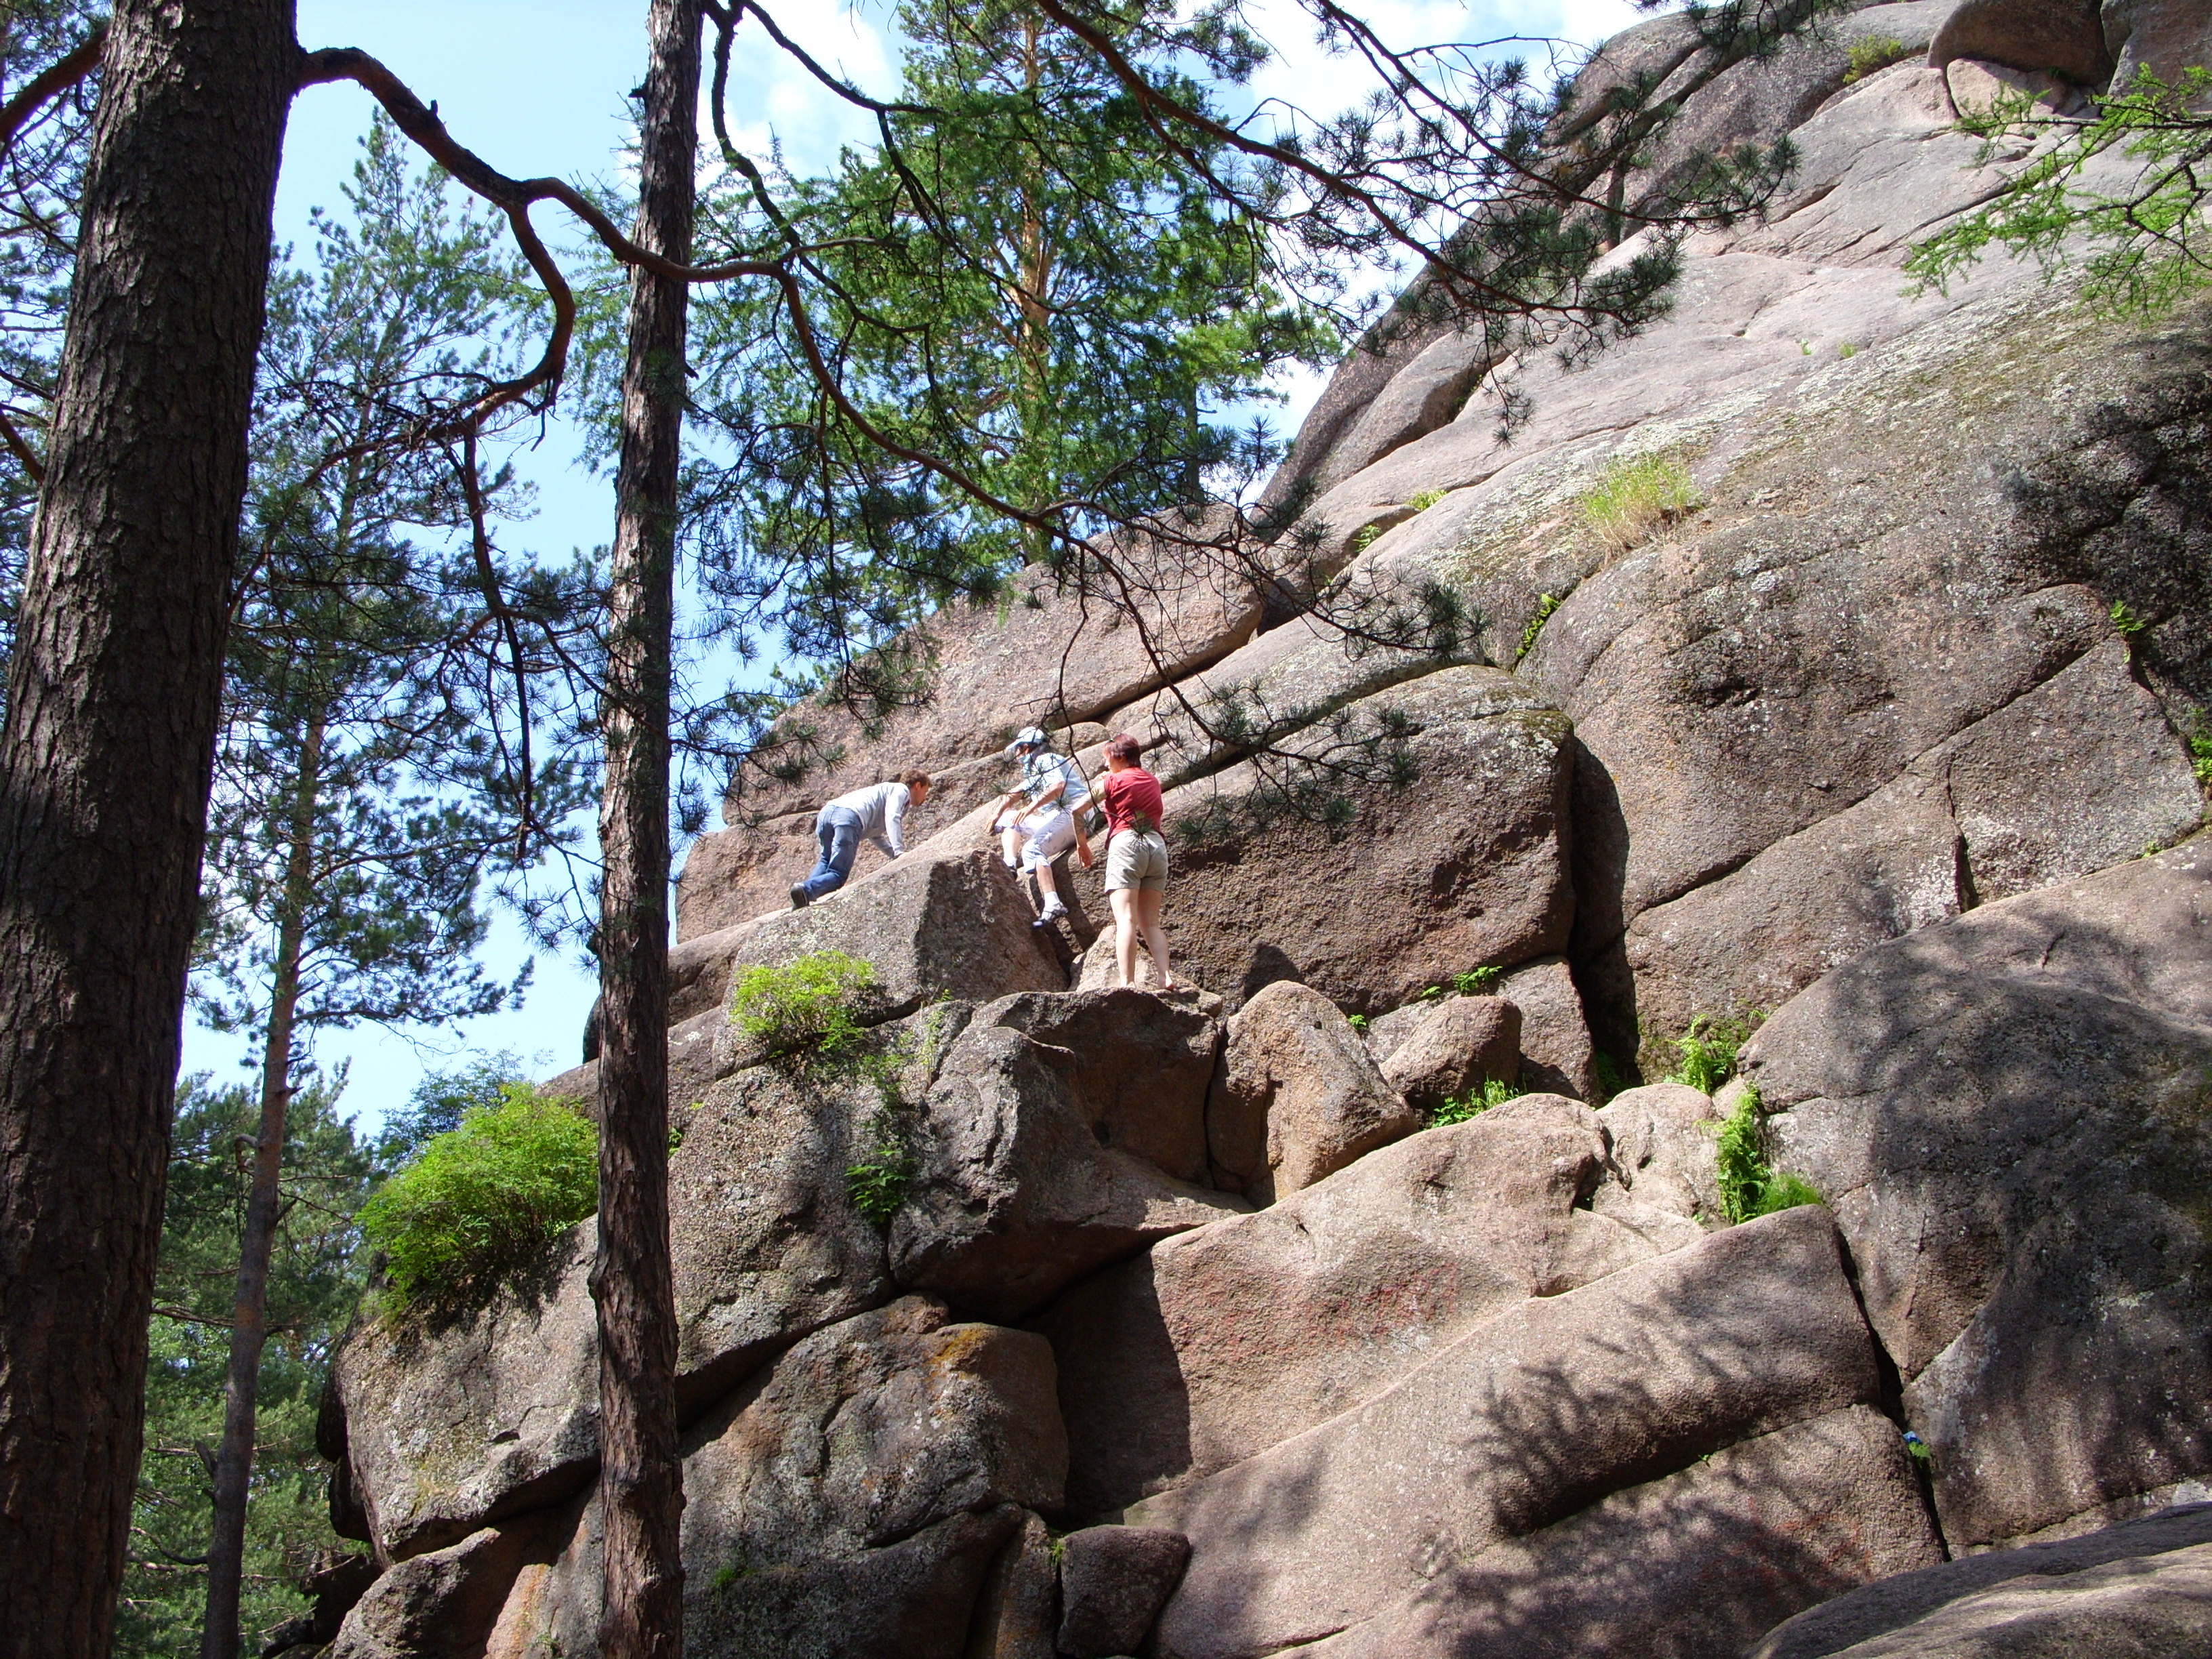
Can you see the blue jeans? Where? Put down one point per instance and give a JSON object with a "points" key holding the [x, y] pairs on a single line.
{"points": [[838, 830]]}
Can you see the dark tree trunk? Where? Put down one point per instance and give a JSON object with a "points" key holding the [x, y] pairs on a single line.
{"points": [[249, 1323], [641, 1481], [104, 765]]}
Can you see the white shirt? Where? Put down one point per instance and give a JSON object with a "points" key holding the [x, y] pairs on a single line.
{"points": [[881, 809]]}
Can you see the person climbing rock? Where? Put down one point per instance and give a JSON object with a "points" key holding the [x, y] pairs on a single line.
{"points": [[1136, 858], [877, 813], [1043, 817]]}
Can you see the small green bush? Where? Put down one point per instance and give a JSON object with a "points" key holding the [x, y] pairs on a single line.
{"points": [[483, 1204], [1876, 51], [808, 1005], [2200, 752], [1426, 499], [1749, 1187], [1632, 497], [1708, 1050], [1478, 982], [2126, 621], [1460, 1107], [1357, 1022]]}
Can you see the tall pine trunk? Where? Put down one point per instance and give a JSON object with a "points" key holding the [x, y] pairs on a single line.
{"points": [[641, 1481], [104, 764], [249, 1325]]}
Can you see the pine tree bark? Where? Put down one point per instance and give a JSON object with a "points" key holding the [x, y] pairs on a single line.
{"points": [[105, 757], [641, 1480], [249, 1322]]}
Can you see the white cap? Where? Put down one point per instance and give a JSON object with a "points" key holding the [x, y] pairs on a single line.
{"points": [[1029, 736]]}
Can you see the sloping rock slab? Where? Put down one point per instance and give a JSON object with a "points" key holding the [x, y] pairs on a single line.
{"points": [[1524, 1420], [1030, 1166], [2011, 1114], [2104, 1593], [936, 923], [1461, 866], [1220, 1343], [1684, 1568]]}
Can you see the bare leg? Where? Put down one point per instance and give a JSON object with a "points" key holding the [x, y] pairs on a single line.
{"points": [[1010, 844], [1155, 938], [1123, 899], [1044, 881]]}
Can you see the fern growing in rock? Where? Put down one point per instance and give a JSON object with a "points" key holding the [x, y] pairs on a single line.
{"points": [[1749, 1186]]}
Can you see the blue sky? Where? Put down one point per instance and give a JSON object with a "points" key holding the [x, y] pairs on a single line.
{"points": [[537, 87]]}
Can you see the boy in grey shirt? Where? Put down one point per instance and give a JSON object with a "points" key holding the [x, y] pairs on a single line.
{"points": [[877, 813]]}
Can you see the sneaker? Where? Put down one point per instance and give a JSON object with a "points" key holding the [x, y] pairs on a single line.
{"points": [[800, 898], [1052, 912]]}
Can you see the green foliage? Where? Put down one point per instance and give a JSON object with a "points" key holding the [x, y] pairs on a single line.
{"points": [[1634, 497], [1478, 982], [1847, 351], [2200, 751], [1545, 604], [1426, 499], [483, 1204], [1708, 1051], [2126, 622], [1609, 1078], [1357, 1022], [806, 1005], [1876, 51], [2146, 238], [1458, 1108], [1749, 1187], [314, 1281], [878, 1182], [1365, 536]]}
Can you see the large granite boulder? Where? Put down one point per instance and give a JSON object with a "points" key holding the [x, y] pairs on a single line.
{"points": [[1541, 1416], [2008, 1111], [1666, 1144], [1296, 1097], [943, 921], [1113, 1581], [1418, 833], [1036, 1163], [1220, 1343], [451, 1603], [851, 1497], [1452, 1053], [2145, 1586], [1017, 1611]]}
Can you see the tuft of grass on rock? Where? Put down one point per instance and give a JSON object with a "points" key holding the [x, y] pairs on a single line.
{"points": [[1458, 1108], [1478, 982], [1427, 499], [2200, 751], [1876, 51], [1545, 604], [483, 1204], [1633, 498]]}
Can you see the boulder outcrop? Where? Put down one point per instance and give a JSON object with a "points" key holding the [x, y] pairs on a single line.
{"points": [[2009, 1113], [1220, 1343], [1036, 1164]]}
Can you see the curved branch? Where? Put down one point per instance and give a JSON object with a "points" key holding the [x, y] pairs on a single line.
{"points": [[45, 87]]}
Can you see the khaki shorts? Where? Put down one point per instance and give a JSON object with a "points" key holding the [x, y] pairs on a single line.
{"points": [[1137, 859]]}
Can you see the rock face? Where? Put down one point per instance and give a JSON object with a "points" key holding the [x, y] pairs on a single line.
{"points": [[1220, 1343], [2009, 1112], [1297, 1097], [1866, 731], [1036, 1164], [2138, 1588], [1751, 1332], [852, 1496]]}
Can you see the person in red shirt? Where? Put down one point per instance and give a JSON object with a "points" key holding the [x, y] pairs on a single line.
{"points": [[1136, 857]]}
